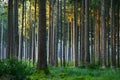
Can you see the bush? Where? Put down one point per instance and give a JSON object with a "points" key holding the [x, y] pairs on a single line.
{"points": [[14, 69]]}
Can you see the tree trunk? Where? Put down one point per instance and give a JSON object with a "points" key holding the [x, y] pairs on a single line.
{"points": [[97, 38], [16, 34], [10, 30], [82, 33], [64, 33], [87, 54], [42, 53], [1, 53], [33, 33], [21, 38], [75, 37], [103, 33], [61, 60]]}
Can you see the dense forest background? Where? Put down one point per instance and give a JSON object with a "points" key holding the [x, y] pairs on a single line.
{"points": [[59, 40], [61, 32]]}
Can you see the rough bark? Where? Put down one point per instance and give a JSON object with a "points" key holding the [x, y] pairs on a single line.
{"points": [[42, 54]]}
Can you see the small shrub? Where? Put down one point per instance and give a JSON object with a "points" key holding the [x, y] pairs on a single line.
{"points": [[15, 69], [93, 66]]}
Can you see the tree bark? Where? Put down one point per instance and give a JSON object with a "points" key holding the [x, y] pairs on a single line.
{"points": [[42, 54], [87, 54], [103, 33]]}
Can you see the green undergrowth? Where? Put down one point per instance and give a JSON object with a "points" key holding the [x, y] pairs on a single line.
{"points": [[24, 70], [77, 74], [12, 69]]}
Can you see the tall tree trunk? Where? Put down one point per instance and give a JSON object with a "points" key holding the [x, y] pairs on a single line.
{"points": [[16, 34], [118, 45], [56, 31], [61, 60], [21, 38], [42, 53], [87, 54], [82, 33], [64, 33], [97, 38], [103, 33], [31, 27], [75, 37], [10, 30], [49, 35], [25, 31], [1, 53], [33, 33], [52, 35], [112, 30]]}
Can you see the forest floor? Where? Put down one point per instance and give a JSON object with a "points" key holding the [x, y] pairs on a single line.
{"points": [[78, 74], [23, 70]]}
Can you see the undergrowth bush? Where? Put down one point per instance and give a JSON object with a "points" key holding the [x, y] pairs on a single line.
{"points": [[15, 70]]}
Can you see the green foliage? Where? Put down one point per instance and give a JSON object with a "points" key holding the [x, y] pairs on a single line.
{"points": [[38, 75], [95, 3], [42, 73], [14, 69], [61, 73], [21, 70], [93, 66]]}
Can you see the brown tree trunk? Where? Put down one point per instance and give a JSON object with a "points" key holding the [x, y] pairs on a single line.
{"points": [[103, 33], [42, 53], [61, 60], [10, 30], [97, 38], [87, 54], [16, 35], [82, 33], [75, 37]]}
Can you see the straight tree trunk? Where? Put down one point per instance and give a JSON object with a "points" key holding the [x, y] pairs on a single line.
{"points": [[82, 33], [64, 34], [97, 38], [87, 54], [10, 30], [52, 35], [103, 34], [1, 53], [61, 60], [33, 39], [49, 35], [42, 53], [16, 34], [57, 30], [118, 45], [75, 37], [21, 38]]}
